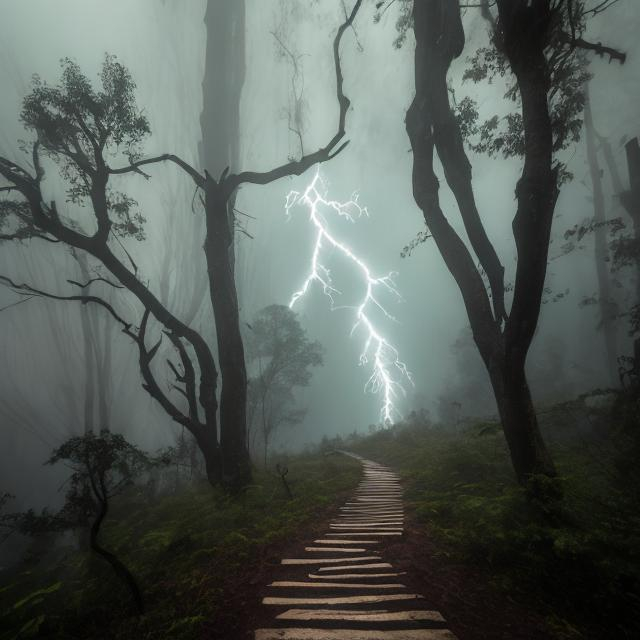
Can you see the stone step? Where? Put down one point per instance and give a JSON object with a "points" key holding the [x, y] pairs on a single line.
{"points": [[326, 560], [333, 585], [372, 565], [352, 634], [329, 541], [359, 599], [359, 616], [351, 576], [370, 533]]}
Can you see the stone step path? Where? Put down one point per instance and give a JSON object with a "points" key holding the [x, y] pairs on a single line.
{"points": [[341, 587]]}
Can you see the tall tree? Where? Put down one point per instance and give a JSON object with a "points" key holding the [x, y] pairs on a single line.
{"points": [[527, 35], [84, 131]]}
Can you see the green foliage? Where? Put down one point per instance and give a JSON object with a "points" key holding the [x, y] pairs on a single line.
{"points": [[79, 126], [73, 120], [578, 560], [190, 551], [103, 466], [278, 339]]}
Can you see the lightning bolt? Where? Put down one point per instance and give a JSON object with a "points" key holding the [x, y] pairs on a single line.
{"points": [[388, 371]]}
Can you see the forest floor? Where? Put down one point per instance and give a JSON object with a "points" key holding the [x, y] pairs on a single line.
{"points": [[472, 608], [499, 564], [199, 555], [492, 563]]}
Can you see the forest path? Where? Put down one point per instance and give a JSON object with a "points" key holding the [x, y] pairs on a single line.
{"points": [[341, 587]]}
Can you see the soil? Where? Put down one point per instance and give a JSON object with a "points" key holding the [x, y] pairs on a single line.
{"points": [[473, 608]]}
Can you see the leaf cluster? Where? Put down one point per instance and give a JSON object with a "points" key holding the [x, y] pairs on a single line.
{"points": [[279, 341], [102, 466]]}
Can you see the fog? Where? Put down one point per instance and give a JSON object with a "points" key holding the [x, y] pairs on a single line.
{"points": [[42, 380]]}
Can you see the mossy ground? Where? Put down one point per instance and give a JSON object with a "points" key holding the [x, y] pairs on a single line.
{"points": [[193, 552], [578, 562]]}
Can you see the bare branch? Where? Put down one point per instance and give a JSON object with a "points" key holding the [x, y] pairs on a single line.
{"points": [[27, 234], [150, 384], [96, 279], [597, 47], [297, 167], [134, 167], [189, 376], [27, 290], [15, 304]]}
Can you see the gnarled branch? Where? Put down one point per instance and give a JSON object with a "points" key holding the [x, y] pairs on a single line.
{"points": [[329, 151]]}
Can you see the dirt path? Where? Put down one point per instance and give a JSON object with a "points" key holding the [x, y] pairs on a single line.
{"points": [[343, 584]]}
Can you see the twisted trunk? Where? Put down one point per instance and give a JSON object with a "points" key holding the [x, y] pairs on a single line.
{"points": [[431, 126], [118, 567]]}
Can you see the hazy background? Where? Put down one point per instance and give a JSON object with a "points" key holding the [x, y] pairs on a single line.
{"points": [[162, 43]]}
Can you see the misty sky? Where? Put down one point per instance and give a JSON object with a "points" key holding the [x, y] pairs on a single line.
{"points": [[162, 43]]}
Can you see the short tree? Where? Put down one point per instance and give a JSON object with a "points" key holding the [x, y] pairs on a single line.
{"points": [[283, 357], [103, 467]]}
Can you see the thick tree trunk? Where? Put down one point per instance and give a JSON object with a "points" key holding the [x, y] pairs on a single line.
{"points": [[529, 454], [220, 123], [430, 126], [236, 468], [224, 74], [210, 449], [608, 310]]}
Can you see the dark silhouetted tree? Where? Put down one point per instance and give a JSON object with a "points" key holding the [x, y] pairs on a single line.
{"points": [[85, 131], [535, 42], [103, 466]]}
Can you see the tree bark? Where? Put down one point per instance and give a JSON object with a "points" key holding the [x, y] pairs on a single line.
{"points": [[236, 467], [118, 567], [529, 453], [224, 75]]}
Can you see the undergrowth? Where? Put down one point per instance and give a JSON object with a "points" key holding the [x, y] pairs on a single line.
{"points": [[578, 563], [192, 551]]}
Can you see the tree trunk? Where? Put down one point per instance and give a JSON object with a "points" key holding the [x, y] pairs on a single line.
{"points": [[118, 567], [210, 449], [608, 309], [430, 126], [224, 74], [529, 454], [236, 468]]}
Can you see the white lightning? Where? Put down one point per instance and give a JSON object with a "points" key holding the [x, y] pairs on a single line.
{"points": [[388, 370]]}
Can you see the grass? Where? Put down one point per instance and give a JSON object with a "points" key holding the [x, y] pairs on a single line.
{"points": [[193, 552], [579, 563]]}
